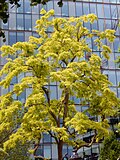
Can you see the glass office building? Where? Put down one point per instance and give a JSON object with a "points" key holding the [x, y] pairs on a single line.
{"points": [[21, 25]]}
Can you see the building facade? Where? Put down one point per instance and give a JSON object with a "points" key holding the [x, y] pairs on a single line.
{"points": [[21, 25]]}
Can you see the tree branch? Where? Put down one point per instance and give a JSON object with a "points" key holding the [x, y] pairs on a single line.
{"points": [[48, 100], [65, 103], [87, 144], [53, 136], [36, 146], [7, 136]]}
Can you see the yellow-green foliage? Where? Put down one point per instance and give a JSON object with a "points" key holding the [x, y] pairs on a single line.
{"points": [[59, 57]]}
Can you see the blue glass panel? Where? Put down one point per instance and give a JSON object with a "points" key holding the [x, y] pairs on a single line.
{"points": [[86, 8], [113, 1], [119, 92], [14, 80], [35, 10], [101, 24], [49, 5], [71, 9], [27, 7], [5, 25], [118, 77], [107, 11], [94, 26], [27, 35], [28, 91], [112, 77], [20, 36], [93, 8], [12, 38], [47, 138], [20, 9], [114, 11], [28, 25], [47, 151], [64, 151], [87, 25], [116, 44], [20, 22], [53, 92], [57, 9], [12, 21], [108, 24], [100, 10], [65, 9], [35, 17], [79, 10]]}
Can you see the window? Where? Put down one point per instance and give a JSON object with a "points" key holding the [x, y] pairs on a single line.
{"points": [[100, 10], [65, 9], [20, 9], [79, 11], [108, 24], [93, 8], [71, 8], [116, 44], [28, 22], [114, 11], [27, 7], [49, 5], [54, 151], [57, 9], [86, 8], [20, 22], [47, 138], [47, 151], [5, 25], [35, 10], [118, 77], [112, 77], [12, 21], [20, 36], [35, 17], [27, 35], [107, 11], [94, 25], [12, 38], [101, 24], [53, 92]]}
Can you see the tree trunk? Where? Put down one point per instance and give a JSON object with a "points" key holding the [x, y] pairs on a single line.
{"points": [[60, 146]]}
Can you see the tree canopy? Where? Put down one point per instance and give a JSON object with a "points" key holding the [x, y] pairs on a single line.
{"points": [[57, 57]]}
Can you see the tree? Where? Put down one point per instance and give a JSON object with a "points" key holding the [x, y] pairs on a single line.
{"points": [[110, 149], [20, 151], [58, 57]]}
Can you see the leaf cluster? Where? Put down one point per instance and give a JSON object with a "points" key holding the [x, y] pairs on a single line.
{"points": [[111, 148]]}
